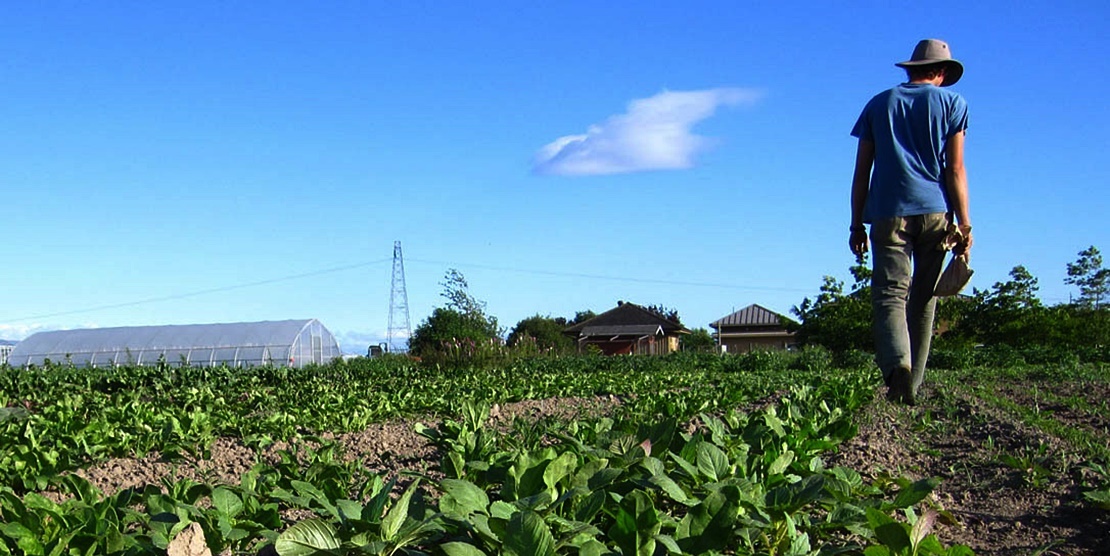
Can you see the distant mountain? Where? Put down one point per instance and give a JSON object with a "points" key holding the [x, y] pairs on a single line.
{"points": [[7, 343]]}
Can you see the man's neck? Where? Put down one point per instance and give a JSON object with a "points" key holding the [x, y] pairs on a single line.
{"points": [[928, 81]]}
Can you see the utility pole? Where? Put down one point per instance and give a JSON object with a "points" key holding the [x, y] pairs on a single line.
{"points": [[399, 331]]}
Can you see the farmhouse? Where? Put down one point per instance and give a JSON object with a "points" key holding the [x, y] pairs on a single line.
{"points": [[286, 343], [628, 329], [752, 328]]}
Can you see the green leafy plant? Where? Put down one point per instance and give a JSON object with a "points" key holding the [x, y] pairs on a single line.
{"points": [[910, 538], [1099, 495], [363, 529], [1032, 465]]}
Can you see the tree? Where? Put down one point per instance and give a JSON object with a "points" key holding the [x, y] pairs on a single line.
{"points": [[665, 312], [1018, 293], [837, 320], [1093, 281], [463, 319], [698, 339], [546, 332], [1090, 276], [582, 316], [1008, 313], [457, 293]]}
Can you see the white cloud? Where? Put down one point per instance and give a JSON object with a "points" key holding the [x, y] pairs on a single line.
{"points": [[654, 134], [17, 332]]}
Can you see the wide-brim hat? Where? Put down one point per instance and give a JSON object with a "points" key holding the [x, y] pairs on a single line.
{"points": [[934, 51]]}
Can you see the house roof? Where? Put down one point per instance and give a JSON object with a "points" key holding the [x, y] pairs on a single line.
{"points": [[628, 315], [636, 330], [752, 315]]}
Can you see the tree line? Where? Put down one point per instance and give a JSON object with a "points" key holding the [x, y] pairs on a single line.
{"points": [[838, 319], [1009, 313], [462, 329]]}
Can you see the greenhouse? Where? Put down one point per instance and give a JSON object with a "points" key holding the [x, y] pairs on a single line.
{"points": [[292, 343]]}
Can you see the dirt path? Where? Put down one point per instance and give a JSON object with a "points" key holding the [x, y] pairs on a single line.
{"points": [[1002, 510]]}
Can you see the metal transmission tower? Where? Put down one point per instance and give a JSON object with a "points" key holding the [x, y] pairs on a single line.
{"points": [[397, 336]]}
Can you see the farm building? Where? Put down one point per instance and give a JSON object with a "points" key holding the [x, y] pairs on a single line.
{"points": [[5, 348], [292, 343], [628, 329], [751, 328]]}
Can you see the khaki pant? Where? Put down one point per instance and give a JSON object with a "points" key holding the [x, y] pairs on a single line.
{"points": [[907, 264]]}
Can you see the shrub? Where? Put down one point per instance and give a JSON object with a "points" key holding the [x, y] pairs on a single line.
{"points": [[757, 360], [953, 358], [466, 353], [1093, 354], [1039, 355], [812, 358], [999, 355], [853, 359]]}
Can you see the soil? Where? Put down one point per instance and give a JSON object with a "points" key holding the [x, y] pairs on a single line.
{"points": [[998, 508], [385, 448]]}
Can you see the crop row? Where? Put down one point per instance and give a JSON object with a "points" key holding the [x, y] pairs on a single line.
{"points": [[743, 483], [677, 469], [58, 418]]}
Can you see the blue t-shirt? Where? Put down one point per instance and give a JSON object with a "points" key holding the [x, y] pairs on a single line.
{"points": [[909, 125]]}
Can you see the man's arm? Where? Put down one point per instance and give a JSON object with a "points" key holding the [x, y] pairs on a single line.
{"points": [[956, 180], [861, 183]]}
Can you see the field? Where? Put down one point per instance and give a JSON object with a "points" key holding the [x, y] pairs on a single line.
{"points": [[687, 454]]}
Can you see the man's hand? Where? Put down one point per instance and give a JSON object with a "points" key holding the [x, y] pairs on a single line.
{"points": [[958, 240], [964, 245], [861, 184], [858, 242]]}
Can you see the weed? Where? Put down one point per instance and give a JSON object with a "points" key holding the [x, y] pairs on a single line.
{"points": [[1032, 464]]}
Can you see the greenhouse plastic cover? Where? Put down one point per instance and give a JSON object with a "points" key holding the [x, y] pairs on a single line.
{"points": [[292, 343]]}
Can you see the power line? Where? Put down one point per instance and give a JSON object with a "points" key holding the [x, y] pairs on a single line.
{"points": [[613, 278], [244, 285], [203, 292]]}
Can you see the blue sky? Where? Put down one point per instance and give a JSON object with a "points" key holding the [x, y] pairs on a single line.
{"points": [[194, 162]]}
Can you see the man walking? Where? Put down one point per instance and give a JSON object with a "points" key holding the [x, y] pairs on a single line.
{"points": [[909, 183]]}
